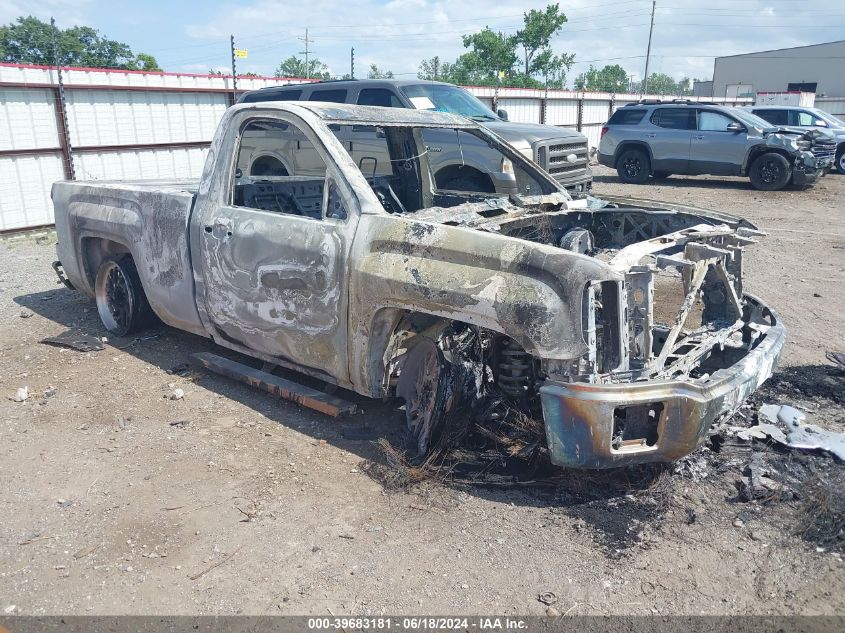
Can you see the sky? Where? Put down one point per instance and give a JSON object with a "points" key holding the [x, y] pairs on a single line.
{"points": [[193, 36]]}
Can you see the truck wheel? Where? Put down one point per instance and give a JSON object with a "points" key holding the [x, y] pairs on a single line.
{"points": [[840, 160], [633, 166], [770, 172], [423, 385], [121, 302]]}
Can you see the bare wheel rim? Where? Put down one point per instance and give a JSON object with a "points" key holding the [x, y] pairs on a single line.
{"points": [[115, 302], [769, 171], [420, 386], [632, 166]]}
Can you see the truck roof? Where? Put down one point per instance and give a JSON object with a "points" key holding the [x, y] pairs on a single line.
{"points": [[364, 115]]}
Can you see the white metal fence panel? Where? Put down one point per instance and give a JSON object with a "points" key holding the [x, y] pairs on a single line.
{"points": [[27, 119], [25, 183], [145, 164], [560, 112], [122, 117], [521, 110]]}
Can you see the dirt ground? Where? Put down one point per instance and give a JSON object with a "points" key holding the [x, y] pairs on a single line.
{"points": [[118, 500]]}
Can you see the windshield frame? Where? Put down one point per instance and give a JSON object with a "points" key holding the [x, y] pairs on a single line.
{"points": [[483, 113], [828, 118]]}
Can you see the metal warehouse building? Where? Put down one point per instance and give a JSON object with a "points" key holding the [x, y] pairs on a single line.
{"points": [[816, 68]]}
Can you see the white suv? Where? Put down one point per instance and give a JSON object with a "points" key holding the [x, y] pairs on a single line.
{"points": [[794, 116]]}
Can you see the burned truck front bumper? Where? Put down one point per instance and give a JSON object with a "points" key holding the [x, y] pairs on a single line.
{"points": [[669, 418]]}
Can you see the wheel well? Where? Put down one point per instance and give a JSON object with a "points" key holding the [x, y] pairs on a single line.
{"points": [[453, 172], [394, 331], [755, 152], [626, 145], [95, 250]]}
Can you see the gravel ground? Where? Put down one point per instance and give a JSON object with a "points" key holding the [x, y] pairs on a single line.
{"points": [[119, 500]]}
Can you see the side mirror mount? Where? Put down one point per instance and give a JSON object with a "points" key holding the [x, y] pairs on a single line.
{"points": [[502, 114], [735, 127]]}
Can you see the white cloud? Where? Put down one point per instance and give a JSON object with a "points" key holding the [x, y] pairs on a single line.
{"points": [[67, 12]]}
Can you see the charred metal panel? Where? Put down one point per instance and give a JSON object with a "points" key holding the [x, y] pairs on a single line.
{"points": [[149, 219], [531, 292]]}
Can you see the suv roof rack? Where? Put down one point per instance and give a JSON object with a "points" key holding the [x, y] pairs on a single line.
{"points": [[661, 101]]}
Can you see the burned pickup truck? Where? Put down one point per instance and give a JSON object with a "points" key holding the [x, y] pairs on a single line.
{"points": [[623, 323]]}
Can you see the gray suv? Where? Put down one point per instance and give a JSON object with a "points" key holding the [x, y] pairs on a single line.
{"points": [[561, 152], [800, 117], [655, 139]]}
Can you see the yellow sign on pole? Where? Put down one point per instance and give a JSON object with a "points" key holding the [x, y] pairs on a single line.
{"points": [[241, 52]]}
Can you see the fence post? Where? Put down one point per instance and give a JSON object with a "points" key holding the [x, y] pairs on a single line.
{"points": [[580, 119], [611, 106], [61, 111]]}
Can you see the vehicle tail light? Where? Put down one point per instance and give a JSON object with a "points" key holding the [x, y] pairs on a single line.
{"points": [[604, 129]]}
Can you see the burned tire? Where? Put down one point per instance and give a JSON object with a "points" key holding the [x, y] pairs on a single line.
{"points": [[633, 166], [423, 386], [121, 302], [770, 172]]}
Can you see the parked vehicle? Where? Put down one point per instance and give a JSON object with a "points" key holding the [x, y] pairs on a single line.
{"points": [[561, 152], [803, 118], [654, 139], [623, 323]]}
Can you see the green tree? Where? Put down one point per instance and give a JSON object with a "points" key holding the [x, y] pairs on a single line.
{"points": [[30, 41], [377, 73], [535, 36], [491, 53], [431, 69], [611, 78], [295, 67], [553, 68], [661, 84]]}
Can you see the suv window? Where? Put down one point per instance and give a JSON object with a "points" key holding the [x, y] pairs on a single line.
{"points": [[802, 119], [709, 121], [334, 96], [379, 97], [775, 117], [271, 95], [627, 116], [674, 118]]}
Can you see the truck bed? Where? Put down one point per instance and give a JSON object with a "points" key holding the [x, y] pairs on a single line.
{"points": [[147, 218]]}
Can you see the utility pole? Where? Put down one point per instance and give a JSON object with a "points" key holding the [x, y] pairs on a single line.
{"points": [[234, 73], [61, 110], [306, 52], [644, 89], [352, 62]]}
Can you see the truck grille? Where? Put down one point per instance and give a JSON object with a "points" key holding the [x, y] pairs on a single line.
{"points": [[824, 150], [553, 156]]}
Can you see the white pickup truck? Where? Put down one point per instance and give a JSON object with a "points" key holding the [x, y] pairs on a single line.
{"points": [[622, 322]]}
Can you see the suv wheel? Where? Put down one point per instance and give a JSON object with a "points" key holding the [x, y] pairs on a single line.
{"points": [[770, 172], [633, 166]]}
